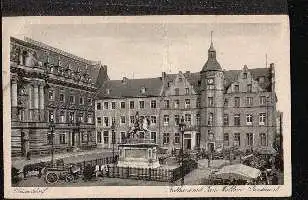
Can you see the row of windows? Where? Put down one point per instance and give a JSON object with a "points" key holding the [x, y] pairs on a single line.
{"points": [[249, 101], [237, 119], [249, 139], [153, 104], [105, 138], [151, 119], [85, 137], [71, 98], [71, 117], [176, 103]]}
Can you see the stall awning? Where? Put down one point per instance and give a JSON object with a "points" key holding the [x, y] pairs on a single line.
{"points": [[237, 171]]}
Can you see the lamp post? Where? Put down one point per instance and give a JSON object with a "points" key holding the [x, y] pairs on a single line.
{"points": [[51, 128], [182, 129], [113, 140]]}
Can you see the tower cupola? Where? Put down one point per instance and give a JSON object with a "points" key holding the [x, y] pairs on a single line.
{"points": [[211, 63]]}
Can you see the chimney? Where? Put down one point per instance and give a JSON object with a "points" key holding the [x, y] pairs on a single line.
{"points": [[163, 75], [124, 80]]}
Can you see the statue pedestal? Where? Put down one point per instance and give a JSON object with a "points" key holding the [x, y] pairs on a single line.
{"points": [[140, 155]]}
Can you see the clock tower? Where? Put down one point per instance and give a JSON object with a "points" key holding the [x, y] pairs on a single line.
{"points": [[212, 102]]}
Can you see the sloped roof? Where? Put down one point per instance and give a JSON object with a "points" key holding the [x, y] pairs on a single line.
{"points": [[131, 88], [154, 86]]}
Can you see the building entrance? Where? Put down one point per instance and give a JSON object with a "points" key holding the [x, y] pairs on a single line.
{"points": [[187, 144]]}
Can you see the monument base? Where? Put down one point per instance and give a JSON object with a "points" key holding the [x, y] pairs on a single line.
{"points": [[138, 156]]}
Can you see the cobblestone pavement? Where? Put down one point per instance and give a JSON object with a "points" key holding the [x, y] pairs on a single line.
{"points": [[19, 162]]}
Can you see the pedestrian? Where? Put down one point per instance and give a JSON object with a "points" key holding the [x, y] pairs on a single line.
{"points": [[275, 179], [97, 171], [102, 170], [107, 170]]}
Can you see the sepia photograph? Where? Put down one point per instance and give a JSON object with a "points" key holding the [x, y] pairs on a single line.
{"points": [[197, 105]]}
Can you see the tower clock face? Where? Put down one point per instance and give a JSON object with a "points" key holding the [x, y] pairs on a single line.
{"points": [[210, 81]]}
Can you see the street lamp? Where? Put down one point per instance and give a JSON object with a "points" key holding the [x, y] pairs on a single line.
{"points": [[113, 140], [182, 126], [52, 128]]}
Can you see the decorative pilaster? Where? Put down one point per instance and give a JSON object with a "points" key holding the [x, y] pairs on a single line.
{"points": [[36, 101], [14, 111], [42, 101]]}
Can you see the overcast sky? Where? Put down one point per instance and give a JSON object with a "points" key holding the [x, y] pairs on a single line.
{"points": [[142, 50]]}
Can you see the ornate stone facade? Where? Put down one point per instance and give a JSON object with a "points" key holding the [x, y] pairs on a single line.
{"points": [[49, 84]]}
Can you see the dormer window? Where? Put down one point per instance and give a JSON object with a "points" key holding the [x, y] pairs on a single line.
{"points": [[245, 75], [143, 90]]}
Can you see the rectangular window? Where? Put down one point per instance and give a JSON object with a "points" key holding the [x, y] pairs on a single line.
{"points": [[153, 137], [51, 95], [210, 119], [122, 119], [49, 138], [90, 118], [210, 101], [141, 104], [106, 137], [99, 120], [187, 103], [51, 116], [62, 116], [153, 120], [176, 103], [166, 120], [226, 102], [249, 139], [198, 119], [177, 138], [249, 88], [89, 101], [177, 119], [122, 137], [226, 120], [198, 138], [262, 119], [249, 119], [106, 105], [98, 106], [187, 91], [113, 105], [153, 104], [262, 100], [81, 117], [113, 120], [237, 139], [131, 104], [72, 99], [72, 117], [62, 97], [263, 139], [236, 102], [177, 91], [85, 137], [166, 103], [106, 121], [226, 139], [122, 104], [62, 138], [237, 120], [166, 138], [236, 88], [249, 101], [99, 137], [81, 101], [188, 119], [132, 119], [198, 103]]}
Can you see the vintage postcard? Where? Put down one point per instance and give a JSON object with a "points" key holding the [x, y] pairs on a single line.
{"points": [[148, 106]]}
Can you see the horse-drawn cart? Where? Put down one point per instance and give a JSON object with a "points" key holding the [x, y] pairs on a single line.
{"points": [[56, 173]]}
